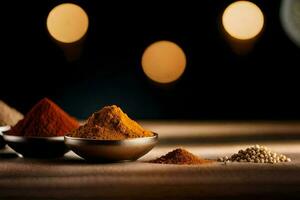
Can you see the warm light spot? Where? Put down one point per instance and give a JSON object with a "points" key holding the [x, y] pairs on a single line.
{"points": [[67, 23], [163, 62], [243, 20]]}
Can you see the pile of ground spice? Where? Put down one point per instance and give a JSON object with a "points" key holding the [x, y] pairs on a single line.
{"points": [[110, 123], [181, 157], [8, 115], [45, 119], [256, 154]]}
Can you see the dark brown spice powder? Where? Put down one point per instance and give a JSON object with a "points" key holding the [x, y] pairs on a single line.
{"points": [[180, 156]]}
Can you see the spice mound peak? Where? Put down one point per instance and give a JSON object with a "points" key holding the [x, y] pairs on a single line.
{"points": [[180, 156], [110, 123], [45, 119]]}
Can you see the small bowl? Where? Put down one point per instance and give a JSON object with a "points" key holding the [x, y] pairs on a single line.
{"points": [[111, 150], [37, 147], [3, 129]]}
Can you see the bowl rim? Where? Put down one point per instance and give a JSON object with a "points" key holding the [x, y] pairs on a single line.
{"points": [[5, 128], [155, 136], [18, 137]]}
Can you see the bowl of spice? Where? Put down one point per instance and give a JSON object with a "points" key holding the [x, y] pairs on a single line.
{"points": [[41, 133], [9, 116], [109, 135]]}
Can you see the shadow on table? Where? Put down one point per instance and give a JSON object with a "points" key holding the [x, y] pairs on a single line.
{"points": [[68, 160], [8, 155]]}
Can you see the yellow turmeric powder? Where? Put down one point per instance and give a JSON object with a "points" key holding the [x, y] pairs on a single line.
{"points": [[110, 123]]}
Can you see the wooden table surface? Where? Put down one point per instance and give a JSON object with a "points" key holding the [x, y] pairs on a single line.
{"points": [[71, 177]]}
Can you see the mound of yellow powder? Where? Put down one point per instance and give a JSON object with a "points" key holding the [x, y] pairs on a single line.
{"points": [[110, 123]]}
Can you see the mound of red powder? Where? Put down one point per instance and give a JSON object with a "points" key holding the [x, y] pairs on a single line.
{"points": [[45, 119]]}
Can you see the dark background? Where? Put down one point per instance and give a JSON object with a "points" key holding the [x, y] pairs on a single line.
{"points": [[217, 83]]}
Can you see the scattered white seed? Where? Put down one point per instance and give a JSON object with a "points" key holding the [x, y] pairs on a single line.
{"points": [[261, 155], [257, 154]]}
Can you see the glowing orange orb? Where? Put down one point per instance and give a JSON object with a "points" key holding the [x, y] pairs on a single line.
{"points": [[67, 23], [163, 62]]}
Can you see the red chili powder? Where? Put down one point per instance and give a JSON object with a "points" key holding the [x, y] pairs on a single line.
{"points": [[45, 119], [182, 157]]}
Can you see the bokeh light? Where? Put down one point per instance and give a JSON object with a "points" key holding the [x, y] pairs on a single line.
{"points": [[290, 19], [243, 20], [67, 23], [163, 62]]}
